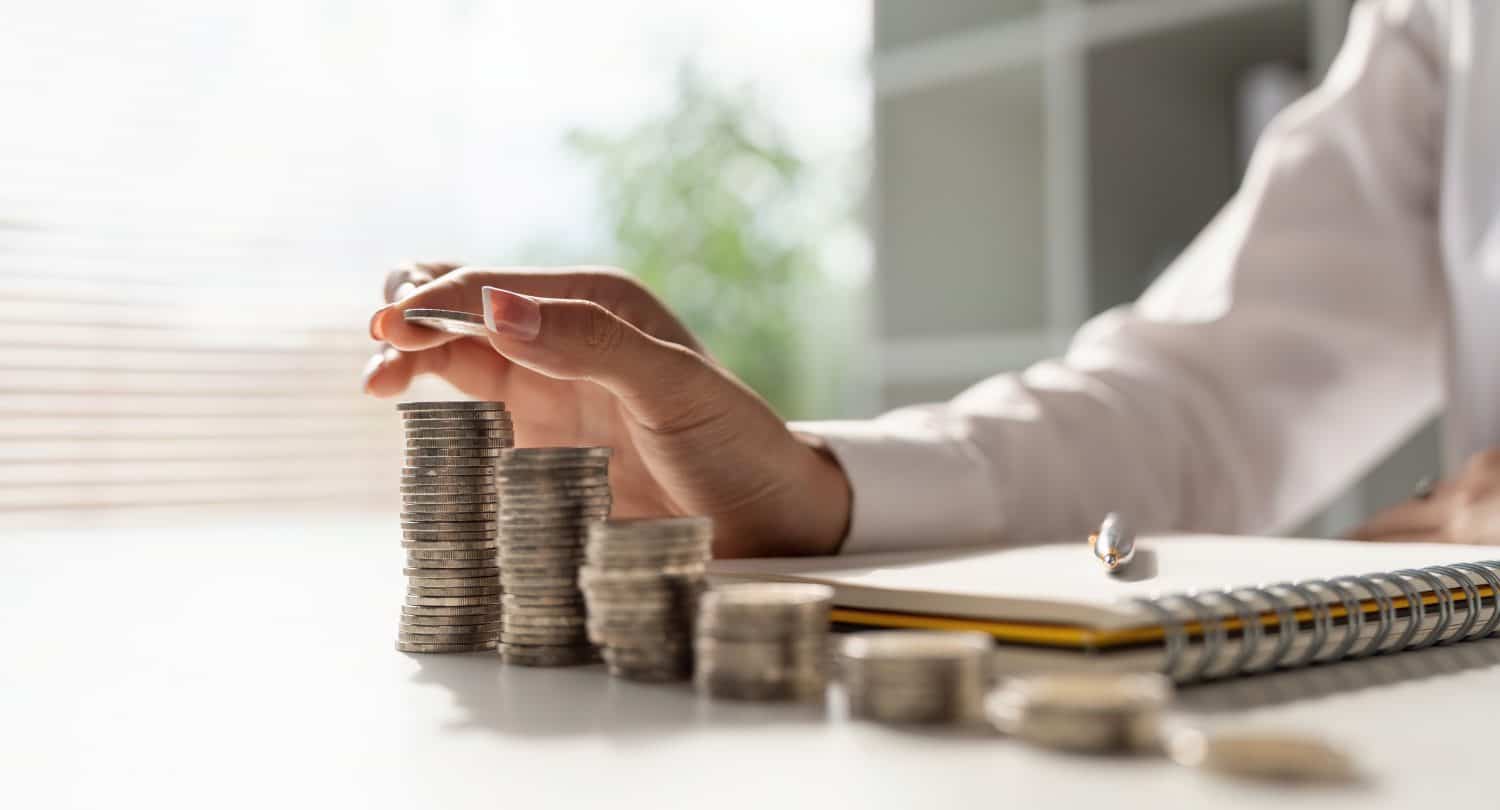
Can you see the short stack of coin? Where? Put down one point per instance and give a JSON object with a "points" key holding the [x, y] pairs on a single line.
{"points": [[549, 496], [642, 584], [904, 676], [448, 507], [763, 641], [1083, 711]]}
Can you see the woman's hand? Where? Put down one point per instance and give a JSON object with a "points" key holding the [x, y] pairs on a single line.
{"points": [[586, 356], [1461, 509]]}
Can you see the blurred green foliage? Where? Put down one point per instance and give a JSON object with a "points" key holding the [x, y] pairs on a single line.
{"points": [[707, 203]]}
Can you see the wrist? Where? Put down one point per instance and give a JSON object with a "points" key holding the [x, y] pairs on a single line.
{"points": [[829, 497]]}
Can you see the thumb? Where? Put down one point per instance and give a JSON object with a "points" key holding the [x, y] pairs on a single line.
{"points": [[664, 385]]}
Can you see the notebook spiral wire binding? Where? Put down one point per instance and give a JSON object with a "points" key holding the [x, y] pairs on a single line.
{"points": [[1327, 641]]}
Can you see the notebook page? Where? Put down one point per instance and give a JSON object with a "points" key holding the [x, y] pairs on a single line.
{"points": [[1065, 584]]}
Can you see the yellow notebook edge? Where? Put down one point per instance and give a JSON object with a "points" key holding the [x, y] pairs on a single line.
{"points": [[1087, 638]]}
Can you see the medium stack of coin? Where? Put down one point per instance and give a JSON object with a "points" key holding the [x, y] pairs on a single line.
{"points": [[448, 506], [549, 496], [763, 641], [1096, 712], [641, 584], [901, 676]]}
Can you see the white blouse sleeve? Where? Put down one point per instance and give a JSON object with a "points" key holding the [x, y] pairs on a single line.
{"points": [[1291, 346]]}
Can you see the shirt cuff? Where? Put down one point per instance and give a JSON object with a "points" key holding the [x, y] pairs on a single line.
{"points": [[911, 489]]}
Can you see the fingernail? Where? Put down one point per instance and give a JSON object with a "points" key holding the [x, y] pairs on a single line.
{"points": [[508, 313], [371, 369], [376, 332], [406, 289]]}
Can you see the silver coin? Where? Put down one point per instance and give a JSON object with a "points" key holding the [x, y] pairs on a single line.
{"points": [[544, 548], [570, 534], [486, 508], [461, 476], [414, 647], [475, 570], [454, 452], [419, 446], [477, 496], [529, 589], [513, 478], [594, 509], [457, 434], [447, 320], [522, 621], [427, 634], [1289, 756], [449, 465], [545, 454], [508, 579], [435, 428], [466, 546], [480, 492], [413, 539], [514, 634], [552, 569], [436, 526], [453, 405], [564, 657], [426, 417], [491, 626], [730, 688], [492, 581], [467, 559], [544, 555], [453, 601], [476, 620], [643, 658], [451, 612], [564, 489], [471, 590], [541, 608]]}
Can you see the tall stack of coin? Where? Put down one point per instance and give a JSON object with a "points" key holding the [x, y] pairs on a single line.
{"points": [[641, 584], [548, 498], [449, 503], [763, 641], [904, 676]]}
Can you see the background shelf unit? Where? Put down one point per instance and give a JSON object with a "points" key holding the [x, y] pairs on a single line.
{"points": [[1039, 161]]}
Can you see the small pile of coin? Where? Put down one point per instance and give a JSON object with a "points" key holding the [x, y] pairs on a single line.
{"points": [[642, 584], [763, 641], [1093, 712], [448, 507], [549, 496], [903, 676]]}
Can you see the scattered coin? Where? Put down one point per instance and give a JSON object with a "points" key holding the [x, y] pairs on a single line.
{"points": [[1270, 755]]}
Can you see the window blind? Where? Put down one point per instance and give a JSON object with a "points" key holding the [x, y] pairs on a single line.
{"points": [[196, 210]]}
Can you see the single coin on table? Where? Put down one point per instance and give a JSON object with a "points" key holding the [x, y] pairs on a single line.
{"points": [[1260, 754], [451, 321]]}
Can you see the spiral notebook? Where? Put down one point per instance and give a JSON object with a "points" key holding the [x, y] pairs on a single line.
{"points": [[1196, 607]]}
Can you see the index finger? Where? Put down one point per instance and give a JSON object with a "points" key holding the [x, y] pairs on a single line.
{"points": [[461, 290]]}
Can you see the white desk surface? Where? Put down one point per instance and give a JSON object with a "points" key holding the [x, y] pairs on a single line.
{"points": [[207, 665]]}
